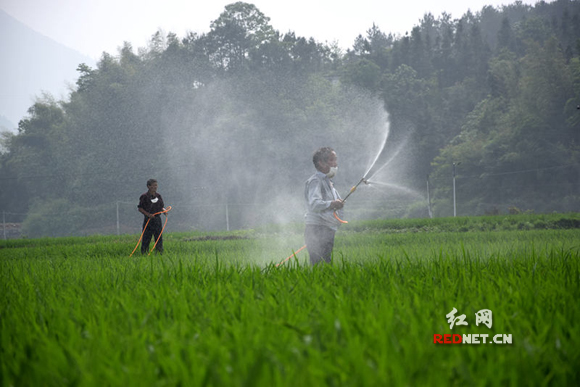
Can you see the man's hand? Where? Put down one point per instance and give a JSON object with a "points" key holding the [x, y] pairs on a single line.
{"points": [[336, 204]]}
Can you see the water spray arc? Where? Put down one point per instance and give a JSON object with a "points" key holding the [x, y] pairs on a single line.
{"points": [[365, 177]]}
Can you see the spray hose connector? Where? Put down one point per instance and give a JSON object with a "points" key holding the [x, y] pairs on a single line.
{"points": [[363, 180]]}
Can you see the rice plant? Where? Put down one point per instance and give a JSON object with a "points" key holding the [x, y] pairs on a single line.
{"points": [[217, 311]]}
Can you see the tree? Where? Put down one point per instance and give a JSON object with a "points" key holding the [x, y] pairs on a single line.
{"points": [[34, 158], [240, 29], [363, 73], [505, 40]]}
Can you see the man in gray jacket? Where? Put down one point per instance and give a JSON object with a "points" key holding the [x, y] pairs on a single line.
{"points": [[321, 202]]}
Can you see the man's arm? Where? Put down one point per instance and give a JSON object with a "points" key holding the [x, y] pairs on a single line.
{"points": [[145, 213], [141, 209], [316, 203]]}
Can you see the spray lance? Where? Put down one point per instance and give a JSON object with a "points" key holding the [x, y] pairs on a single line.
{"points": [[350, 193]]}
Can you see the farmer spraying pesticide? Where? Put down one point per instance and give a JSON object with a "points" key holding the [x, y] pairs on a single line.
{"points": [[323, 204], [322, 200], [151, 206]]}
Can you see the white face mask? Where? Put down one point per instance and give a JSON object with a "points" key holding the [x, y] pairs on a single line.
{"points": [[332, 172]]}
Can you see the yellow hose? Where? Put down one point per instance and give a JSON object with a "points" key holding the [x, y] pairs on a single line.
{"points": [[145, 228]]}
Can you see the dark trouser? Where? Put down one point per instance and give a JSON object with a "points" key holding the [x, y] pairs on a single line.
{"points": [[153, 230], [319, 242]]}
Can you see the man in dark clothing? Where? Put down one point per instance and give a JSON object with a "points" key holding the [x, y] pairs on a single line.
{"points": [[151, 203], [321, 202]]}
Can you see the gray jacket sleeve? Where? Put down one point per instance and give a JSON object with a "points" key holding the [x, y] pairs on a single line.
{"points": [[314, 197]]}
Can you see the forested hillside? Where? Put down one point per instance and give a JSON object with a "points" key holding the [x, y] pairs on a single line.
{"points": [[233, 116]]}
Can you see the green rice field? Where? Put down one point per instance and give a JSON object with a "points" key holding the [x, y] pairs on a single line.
{"points": [[215, 310]]}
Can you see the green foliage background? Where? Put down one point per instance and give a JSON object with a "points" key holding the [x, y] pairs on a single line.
{"points": [[233, 115]]}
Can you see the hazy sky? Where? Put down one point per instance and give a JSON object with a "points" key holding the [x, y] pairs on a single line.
{"points": [[94, 26]]}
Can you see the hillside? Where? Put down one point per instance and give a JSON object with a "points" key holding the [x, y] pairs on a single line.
{"points": [[470, 116], [31, 64]]}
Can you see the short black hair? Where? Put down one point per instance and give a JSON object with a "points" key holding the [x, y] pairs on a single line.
{"points": [[321, 154], [150, 182]]}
